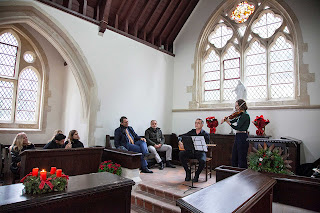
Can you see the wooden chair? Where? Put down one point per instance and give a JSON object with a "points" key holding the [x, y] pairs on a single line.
{"points": [[208, 167]]}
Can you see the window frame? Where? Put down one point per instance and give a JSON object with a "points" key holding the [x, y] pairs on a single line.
{"points": [[25, 45], [220, 14]]}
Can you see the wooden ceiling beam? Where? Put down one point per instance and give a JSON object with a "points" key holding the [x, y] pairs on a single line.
{"points": [[116, 23], [173, 19], [136, 23], [133, 6], [104, 14], [186, 13], [143, 32], [165, 17], [83, 7]]}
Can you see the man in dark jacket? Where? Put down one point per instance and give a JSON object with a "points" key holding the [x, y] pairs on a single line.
{"points": [[155, 142], [184, 156], [57, 142], [126, 138]]}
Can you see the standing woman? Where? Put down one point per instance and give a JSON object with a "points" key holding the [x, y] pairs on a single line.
{"points": [[19, 144], [241, 145], [73, 140]]}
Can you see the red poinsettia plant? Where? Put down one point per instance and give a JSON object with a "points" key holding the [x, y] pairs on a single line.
{"points": [[212, 123], [260, 123], [109, 166]]}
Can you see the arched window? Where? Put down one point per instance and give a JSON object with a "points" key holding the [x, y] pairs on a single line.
{"points": [[20, 82], [251, 42]]}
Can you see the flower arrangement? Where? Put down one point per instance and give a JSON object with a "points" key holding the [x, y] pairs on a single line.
{"points": [[109, 166], [212, 123], [260, 123], [269, 160], [44, 183]]}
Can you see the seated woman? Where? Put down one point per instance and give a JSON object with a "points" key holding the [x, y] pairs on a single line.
{"points": [[73, 140], [19, 144]]}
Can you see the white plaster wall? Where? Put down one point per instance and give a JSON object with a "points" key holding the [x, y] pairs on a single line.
{"points": [[71, 117], [132, 79], [300, 124], [56, 83]]}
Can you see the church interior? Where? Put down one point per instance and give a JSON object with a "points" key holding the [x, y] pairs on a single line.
{"points": [[83, 64]]}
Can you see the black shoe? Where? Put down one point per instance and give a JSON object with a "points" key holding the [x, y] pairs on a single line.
{"points": [[146, 170], [196, 178], [168, 164], [161, 165], [188, 176]]}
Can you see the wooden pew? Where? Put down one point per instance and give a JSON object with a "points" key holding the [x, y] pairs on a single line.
{"points": [[97, 192], [72, 161], [248, 191], [292, 190]]}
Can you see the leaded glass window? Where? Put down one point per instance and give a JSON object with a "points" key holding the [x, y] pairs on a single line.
{"points": [[259, 53], [8, 54], [19, 89], [27, 96]]}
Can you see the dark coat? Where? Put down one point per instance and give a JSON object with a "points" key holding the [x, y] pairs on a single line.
{"points": [[75, 144], [154, 136], [53, 145], [121, 139], [16, 158]]}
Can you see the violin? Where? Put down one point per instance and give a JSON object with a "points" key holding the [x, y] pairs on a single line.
{"points": [[235, 114]]}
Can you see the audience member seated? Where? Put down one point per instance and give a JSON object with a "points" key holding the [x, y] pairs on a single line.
{"points": [[184, 156], [155, 142], [57, 142], [73, 140], [125, 138], [20, 143]]}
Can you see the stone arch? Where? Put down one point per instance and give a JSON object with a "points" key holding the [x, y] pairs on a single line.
{"points": [[29, 13]]}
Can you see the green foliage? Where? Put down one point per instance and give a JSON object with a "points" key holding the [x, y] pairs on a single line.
{"points": [[31, 184], [109, 166], [265, 160]]}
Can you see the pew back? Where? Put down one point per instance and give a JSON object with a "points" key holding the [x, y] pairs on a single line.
{"points": [[71, 161]]}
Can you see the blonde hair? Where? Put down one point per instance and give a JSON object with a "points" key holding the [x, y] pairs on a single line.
{"points": [[71, 133], [17, 143], [56, 132]]}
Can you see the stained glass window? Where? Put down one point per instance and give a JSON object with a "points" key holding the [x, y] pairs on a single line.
{"points": [[242, 12], [8, 54], [27, 96], [220, 36], [260, 53]]}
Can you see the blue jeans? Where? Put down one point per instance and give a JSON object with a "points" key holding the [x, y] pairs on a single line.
{"points": [[140, 147]]}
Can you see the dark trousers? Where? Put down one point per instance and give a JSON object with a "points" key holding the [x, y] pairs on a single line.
{"points": [[184, 157], [240, 150]]}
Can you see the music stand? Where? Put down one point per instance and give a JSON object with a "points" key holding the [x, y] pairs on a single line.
{"points": [[191, 143]]}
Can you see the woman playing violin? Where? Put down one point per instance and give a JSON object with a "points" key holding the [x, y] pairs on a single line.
{"points": [[240, 146]]}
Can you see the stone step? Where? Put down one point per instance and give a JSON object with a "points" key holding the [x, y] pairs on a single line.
{"points": [[152, 203], [159, 192]]}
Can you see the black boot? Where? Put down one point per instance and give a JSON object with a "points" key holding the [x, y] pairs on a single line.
{"points": [[161, 165], [146, 170], [196, 177], [169, 164], [188, 175]]}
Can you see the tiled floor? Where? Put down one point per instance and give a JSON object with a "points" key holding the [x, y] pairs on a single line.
{"points": [[172, 180]]}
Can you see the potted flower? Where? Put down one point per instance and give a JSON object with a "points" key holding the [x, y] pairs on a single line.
{"points": [[212, 123], [109, 166], [260, 123]]}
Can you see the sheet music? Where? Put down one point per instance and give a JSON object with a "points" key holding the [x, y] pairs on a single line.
{"points": [[199, 143]]}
